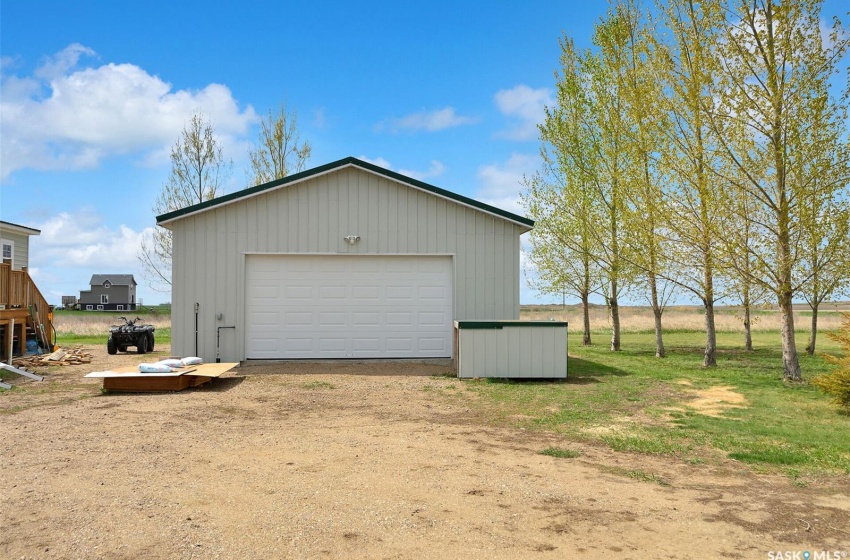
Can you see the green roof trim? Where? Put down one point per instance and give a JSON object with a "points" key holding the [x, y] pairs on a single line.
{"points": [[503, 324], [167, 217]]}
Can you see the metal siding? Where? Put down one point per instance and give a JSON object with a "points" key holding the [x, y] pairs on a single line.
{"points": [[513, 352], [313, 217]]}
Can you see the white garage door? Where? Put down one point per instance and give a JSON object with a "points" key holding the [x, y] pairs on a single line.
{"points": [[341, 306]]}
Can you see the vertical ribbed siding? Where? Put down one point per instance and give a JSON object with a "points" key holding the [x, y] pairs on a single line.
{"points": [[513, 352], [313, 217]]}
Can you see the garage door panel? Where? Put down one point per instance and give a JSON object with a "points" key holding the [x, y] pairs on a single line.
{"points": [[334, 292], [297, 318], [431, 319], [332, 344], [399, 318], [432, 344], [332, 319], [366, 344], [365, 319], [295, 293], [365, 294], [371, 307], [399, 293], [400, 344], [265, 319]]}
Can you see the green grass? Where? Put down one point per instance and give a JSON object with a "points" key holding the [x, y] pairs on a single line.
{"points": [[318, 385], [560, 453], [634, 402]]}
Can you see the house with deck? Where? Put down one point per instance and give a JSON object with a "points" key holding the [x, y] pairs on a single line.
{"points": [[24, 312]]}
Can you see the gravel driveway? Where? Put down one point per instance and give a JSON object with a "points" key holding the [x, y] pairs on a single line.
{"points": [[360, 460]]}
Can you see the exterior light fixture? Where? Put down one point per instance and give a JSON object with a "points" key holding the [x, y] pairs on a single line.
{"points": [[352, 239]]}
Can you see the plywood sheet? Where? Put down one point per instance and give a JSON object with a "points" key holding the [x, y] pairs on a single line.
{"points": [[206, 370]]}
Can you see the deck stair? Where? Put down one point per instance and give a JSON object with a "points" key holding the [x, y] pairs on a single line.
{"points": [[24, 314]]}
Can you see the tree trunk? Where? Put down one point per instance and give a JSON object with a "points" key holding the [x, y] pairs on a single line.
{"points": [[710, 358], [748, 332], [657, 311], [659, 342], [810, 349], [585, 310], [790, 360], [615, 318]]}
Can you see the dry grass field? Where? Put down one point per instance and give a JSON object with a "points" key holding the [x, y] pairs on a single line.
{"points": [[687, 318], [634, 319], [90, 323]]}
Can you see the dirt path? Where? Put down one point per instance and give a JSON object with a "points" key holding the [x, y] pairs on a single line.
{"points": [[319, 460]]}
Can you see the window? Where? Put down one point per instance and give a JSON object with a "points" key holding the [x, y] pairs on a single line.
{"points": [[100, 308], [8, 251], [89, 308], [119, 307], [104, 298], [107, 284]]}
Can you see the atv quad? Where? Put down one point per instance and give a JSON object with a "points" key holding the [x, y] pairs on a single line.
{"points": [[129, 334]]}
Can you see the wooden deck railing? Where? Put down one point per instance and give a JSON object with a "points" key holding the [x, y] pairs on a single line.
{"points": [[19, 292]]}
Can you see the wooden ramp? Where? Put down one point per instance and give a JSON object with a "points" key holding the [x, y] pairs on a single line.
{"points": [[128, 379]]}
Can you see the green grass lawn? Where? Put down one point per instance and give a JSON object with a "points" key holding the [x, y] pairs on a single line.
{"points": [[632, 401]]}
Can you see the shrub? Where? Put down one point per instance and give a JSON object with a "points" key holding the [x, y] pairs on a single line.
{"points": [[837, 383]]}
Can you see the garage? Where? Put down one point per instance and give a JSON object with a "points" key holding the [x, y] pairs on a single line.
{"points": [[343, 306], [347, 260]]}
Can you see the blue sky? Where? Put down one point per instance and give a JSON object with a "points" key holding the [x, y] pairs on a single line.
{"points": [[94, 94]]}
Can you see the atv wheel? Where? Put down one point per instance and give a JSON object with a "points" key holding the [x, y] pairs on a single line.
{"points": [[142, 344], [111, 346], [150, 342]]}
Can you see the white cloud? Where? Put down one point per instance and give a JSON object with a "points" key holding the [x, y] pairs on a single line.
{"points": [[84, 241], [526, 107], [501, 183], [434, 170], [430, 121], [73, 247], [379, 161], [62, 62], [68, 118]]}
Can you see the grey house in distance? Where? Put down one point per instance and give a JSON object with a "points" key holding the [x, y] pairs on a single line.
{"points": [[109, 292]]}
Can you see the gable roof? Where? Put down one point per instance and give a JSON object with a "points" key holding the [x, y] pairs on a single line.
{"points": [[114, 279], [19, 229], [166, 218]]}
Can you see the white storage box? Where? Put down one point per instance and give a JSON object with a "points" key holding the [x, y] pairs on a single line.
{"points": [[511, 349]]}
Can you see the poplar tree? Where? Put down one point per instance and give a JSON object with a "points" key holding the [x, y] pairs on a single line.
{"points": [[198, 173], [605, 126], [696, 199], [280, 151], [645, 213], [564, 247], [775, 79]]}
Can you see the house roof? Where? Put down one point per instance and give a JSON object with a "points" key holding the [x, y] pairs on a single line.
{"points": [[19, 229], [164, 219], [114, 279]]}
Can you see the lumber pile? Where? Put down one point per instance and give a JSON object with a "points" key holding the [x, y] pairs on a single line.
{"points": [[61, 357]]}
